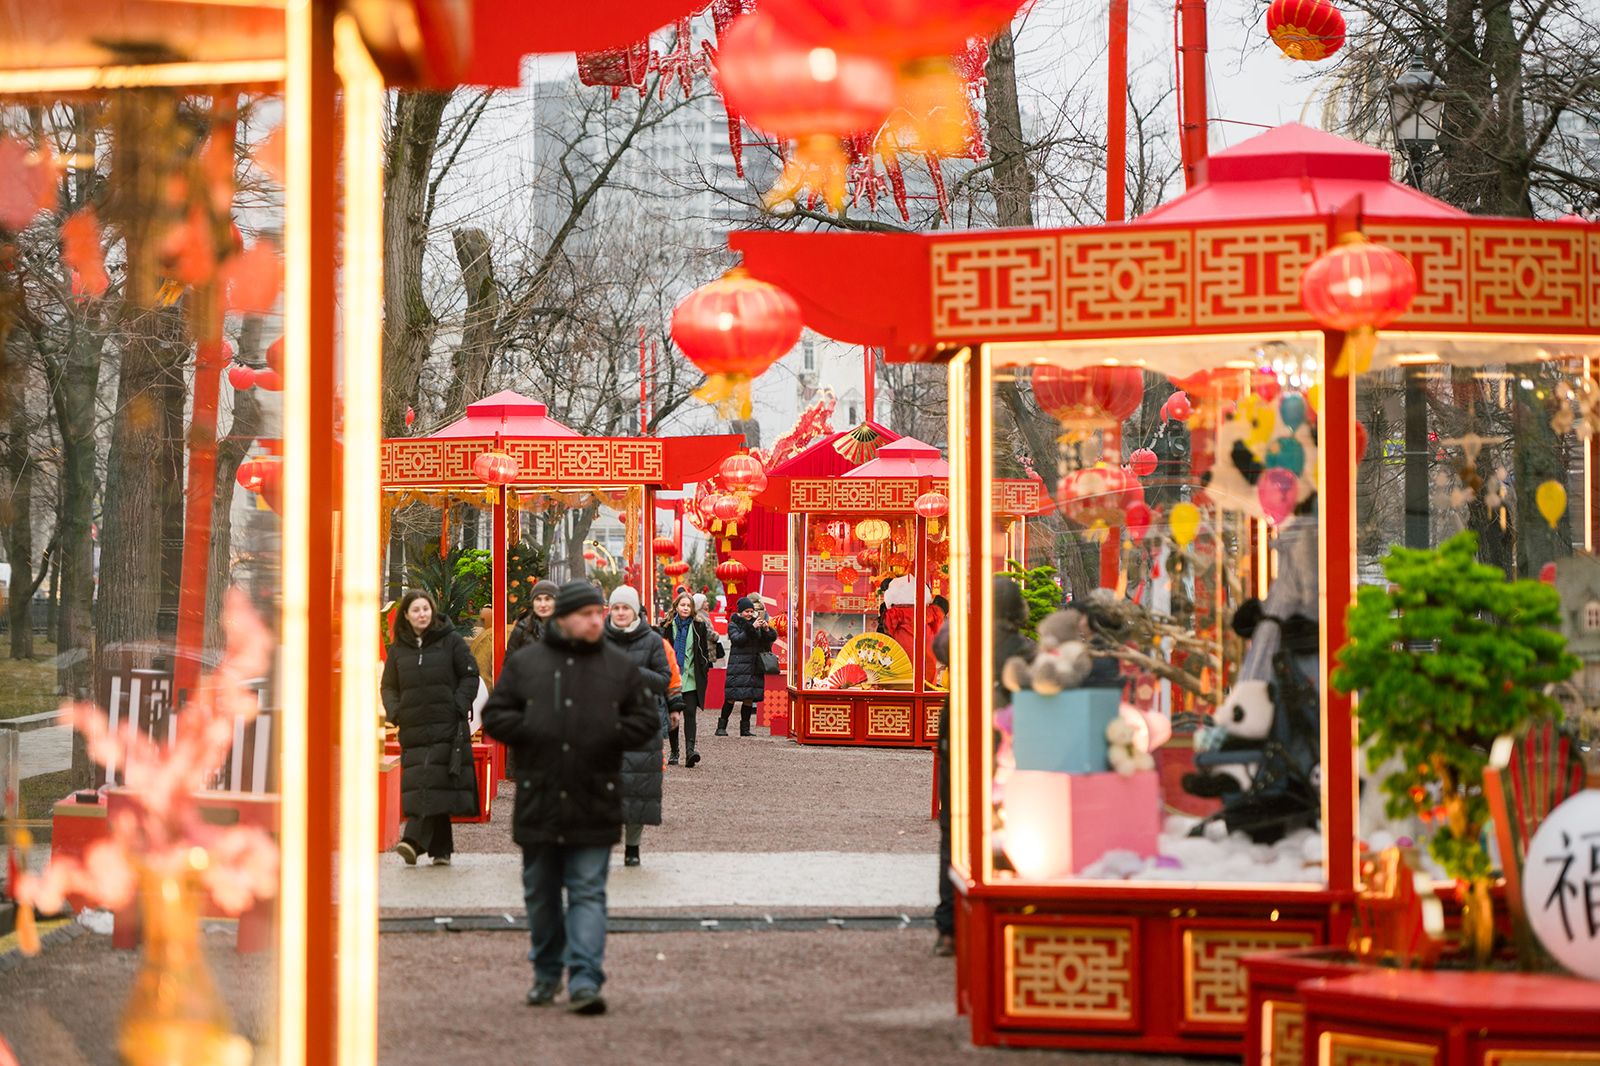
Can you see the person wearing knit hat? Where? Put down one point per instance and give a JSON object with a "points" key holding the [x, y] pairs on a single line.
{"points": [[570, 706], [641, 765], [745, 681], [530, 627]]}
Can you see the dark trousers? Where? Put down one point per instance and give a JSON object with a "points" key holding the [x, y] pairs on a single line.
{"points": [[747, 711], [431, 834], [944, 915], [570, 936], [692, 702]]}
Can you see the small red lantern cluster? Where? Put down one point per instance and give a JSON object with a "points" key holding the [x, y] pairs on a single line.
{"points": [[1100, 495], [268, 378], [733, 329], [1306, 29], [1143, 462], [1358, 287], [263, 475]]}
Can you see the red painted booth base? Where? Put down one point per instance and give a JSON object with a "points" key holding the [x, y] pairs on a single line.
{"points": [[865, 719], [1451, 1018], [1116, 969], [482, 764]]}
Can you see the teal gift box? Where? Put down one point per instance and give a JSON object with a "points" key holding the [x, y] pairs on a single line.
{"points": [[1064, 733]]}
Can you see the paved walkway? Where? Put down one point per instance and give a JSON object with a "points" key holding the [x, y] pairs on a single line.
{"points": [[683, 880]]}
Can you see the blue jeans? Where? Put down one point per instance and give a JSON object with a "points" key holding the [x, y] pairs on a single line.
{"points": [[571, 937]]}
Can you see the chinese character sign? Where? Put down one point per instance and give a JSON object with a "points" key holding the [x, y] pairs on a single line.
{"points": [[1561, 884]]}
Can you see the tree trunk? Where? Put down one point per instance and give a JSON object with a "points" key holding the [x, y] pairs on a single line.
{"points": [[408, 324], [232, 447], [18, 504], [470, 366], [74, 387], [1013, 175]]}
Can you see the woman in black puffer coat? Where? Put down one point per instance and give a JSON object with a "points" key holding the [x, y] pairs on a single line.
{"points": [[746, 682], [641, 766], [429, 682]]}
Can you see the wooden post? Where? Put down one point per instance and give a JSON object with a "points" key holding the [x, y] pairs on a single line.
{"points": [[1192, 55], [1117, 115]]}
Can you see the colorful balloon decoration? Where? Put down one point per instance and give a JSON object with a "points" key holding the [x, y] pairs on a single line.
{"points": [[1137, 518], [1551, 499], [1292, 409], [1178, 407], [241, 377], [1277, 490], [1185, 523], [1286, 453]]}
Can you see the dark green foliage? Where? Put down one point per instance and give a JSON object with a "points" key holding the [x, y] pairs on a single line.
{"points": [[525, 565], [1450, 659], [1039, 591], [452, 580]]}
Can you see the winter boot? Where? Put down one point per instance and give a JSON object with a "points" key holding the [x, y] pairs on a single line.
{"points": [[745, 715], [630, 855], [692, 759], [722, 721], [672, 739]]}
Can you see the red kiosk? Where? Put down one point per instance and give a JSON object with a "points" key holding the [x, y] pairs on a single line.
{"points": [[1146, 953], [531, 459], [869, 580]]}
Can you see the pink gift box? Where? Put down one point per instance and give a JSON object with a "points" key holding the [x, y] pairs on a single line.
{"points": [[1057, 824]]}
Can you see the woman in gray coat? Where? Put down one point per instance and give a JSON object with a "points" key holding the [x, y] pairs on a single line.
{"points": [[641, 766]]}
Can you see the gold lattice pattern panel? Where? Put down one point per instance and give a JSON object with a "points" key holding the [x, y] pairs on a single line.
{"points": [[1522, 277], [891, 722], [1520, 1057], [1594, 280], [930, 721], [426, 462], [774, 563], [1251, 277], [1344, 1049], [1283, 1032], [852, 494], [1010, 496], [1439, 256], [1134, 278], [1214, 976], [830, 719], [1082, 973], [998, 286]]}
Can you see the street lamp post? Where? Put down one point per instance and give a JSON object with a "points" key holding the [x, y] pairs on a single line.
{"points": [[1414, 109]]}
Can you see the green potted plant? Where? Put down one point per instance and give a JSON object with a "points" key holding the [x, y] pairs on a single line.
{"points": [[1447, 658]]}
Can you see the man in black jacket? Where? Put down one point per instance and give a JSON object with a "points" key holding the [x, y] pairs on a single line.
{"points": [[569, 706]]}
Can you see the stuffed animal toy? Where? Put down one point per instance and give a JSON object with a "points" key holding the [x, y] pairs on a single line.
{"points": [[1062, 661]]}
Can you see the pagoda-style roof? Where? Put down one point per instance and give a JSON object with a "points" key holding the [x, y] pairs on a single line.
{"points": [[889, 484], [1224, 258], [547, 452], [906, 457]]}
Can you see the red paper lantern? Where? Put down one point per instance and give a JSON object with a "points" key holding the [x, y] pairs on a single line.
{"points": [[664, 546], [848, 576], [826, 544], [899, 28], [932, 505], [732, 574], [249, 475], [241, 377], [1143, 462], [275, 355], [792, 87], [1178, 407], [616, 68], [733, 329], [1137, 518], [1097, 395], [1358, 287], [743, 473], [1099, 495], [269, 379], [1306, 29], [675, 569], [495, 469]]}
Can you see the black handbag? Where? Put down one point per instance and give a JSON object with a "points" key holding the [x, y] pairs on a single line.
{"points": [[769, 663]]}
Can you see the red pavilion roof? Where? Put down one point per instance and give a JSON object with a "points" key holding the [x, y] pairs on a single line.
{"points": [[509, 414], [1295, 170], [906, 457]]}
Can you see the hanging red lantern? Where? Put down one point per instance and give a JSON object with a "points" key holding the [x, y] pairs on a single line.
{"points": [[1358, 287], [1178, 407], [868, 558], [898, 28], [732, 574], [269, 379], [932, 506], [814, 93], [1090, 397], [1361, 441], [275, 355], [826, 544], [249, 475], [411, 416], [743, 473], [1099, 495], [733, 329], [664, 547], [1136, 517], [848, 576], [675, 569], [1143, 462], [728, 510], [496, 469], [241, 377], [899, 563], [1306, 29]]}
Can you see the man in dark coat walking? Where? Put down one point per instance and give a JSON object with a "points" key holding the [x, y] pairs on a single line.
{"points": [[745, 682], [569, 706], [429, 682]]}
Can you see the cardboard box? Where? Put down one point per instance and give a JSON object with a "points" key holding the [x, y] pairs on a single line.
{"points": [[1057, 824], [1064, 733]]}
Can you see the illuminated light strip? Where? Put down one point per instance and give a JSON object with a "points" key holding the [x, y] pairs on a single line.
{"points": [[360, 711], [143, 76], [960, 604], [294, 732], [982, 438]]}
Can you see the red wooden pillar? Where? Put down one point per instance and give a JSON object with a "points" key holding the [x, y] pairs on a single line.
{"points": [[1117, 114], [1338, 544], [1194, 136]]}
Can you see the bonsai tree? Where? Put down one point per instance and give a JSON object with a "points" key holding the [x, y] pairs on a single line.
{"points": [[1446, 659]]}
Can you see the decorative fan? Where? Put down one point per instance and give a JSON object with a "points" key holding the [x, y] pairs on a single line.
{"points": [[860, 444], [871, 660]]}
